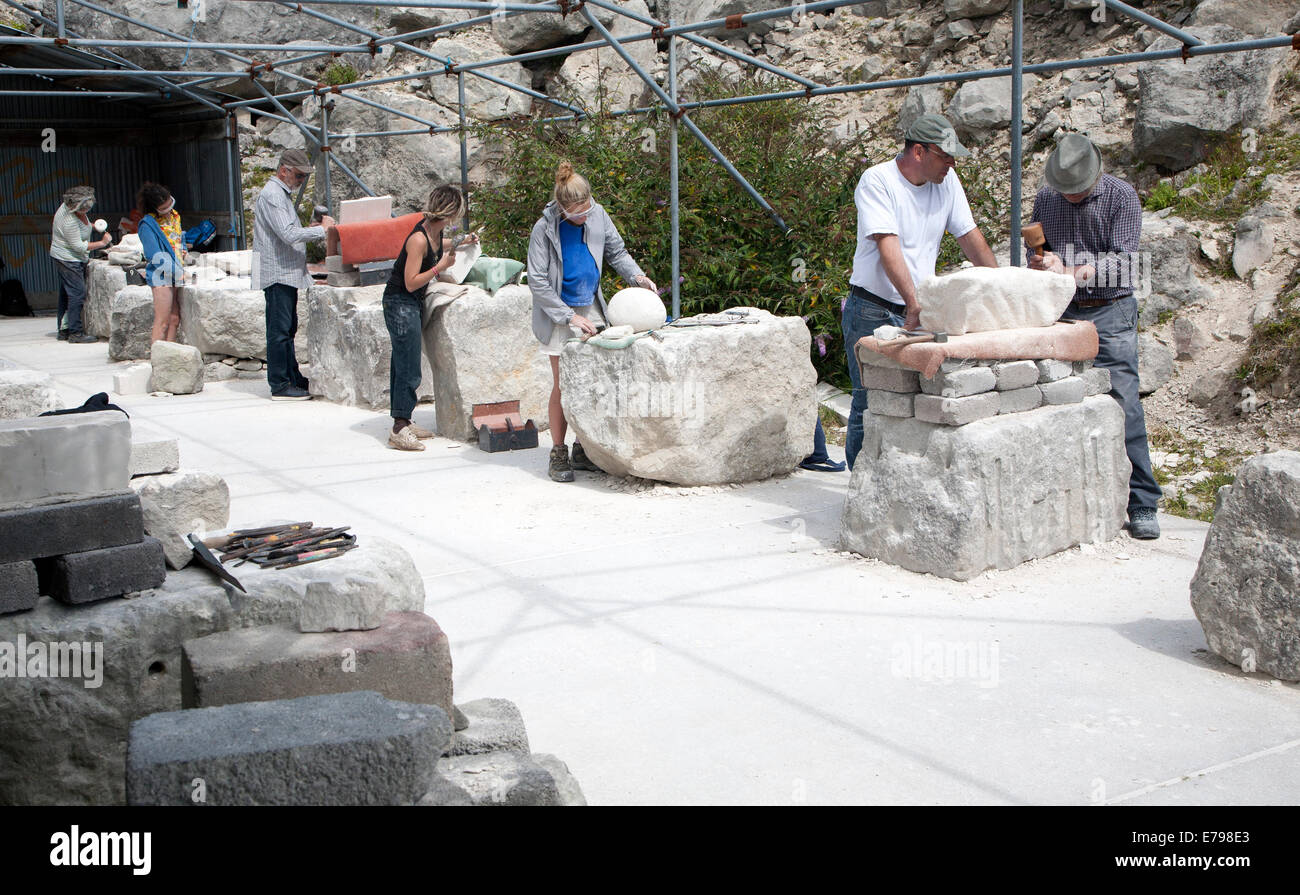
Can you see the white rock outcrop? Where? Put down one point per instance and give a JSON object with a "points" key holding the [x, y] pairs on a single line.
{"points": [[979, 299]]}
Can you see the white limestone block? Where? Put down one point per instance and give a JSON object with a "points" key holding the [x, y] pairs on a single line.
{"points": [[979, 299]]}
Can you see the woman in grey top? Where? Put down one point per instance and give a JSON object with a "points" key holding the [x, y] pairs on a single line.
{"points": [[70, 247]]}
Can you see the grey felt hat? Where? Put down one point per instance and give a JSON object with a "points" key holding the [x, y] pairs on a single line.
{"points": [[296, 159], [1074, 166], [937, 130]]}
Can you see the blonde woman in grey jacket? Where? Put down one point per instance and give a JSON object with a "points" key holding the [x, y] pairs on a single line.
{"points": [[566, 252]]}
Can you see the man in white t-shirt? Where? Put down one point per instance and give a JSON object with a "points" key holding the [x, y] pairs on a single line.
{"points": [[904, 207]]}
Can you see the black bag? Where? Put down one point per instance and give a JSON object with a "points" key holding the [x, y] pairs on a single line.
{"points": [[93, 404], [13, 300]]}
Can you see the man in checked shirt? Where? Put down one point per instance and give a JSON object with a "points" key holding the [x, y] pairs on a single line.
{"points": [[1092, 222]]}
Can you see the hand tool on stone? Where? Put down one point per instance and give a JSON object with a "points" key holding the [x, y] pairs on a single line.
{"points": [[1034, 237], [334, 537], [210, 562], [245, 533], [316, 556], [259, 551], [254, 545]]}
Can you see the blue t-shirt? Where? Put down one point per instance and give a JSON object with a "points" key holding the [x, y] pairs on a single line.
{"points": [[580, 273]]}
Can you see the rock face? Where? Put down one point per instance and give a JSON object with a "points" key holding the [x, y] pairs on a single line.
{"points": [[483, 350], [1183, 106], [979, 107], [965, 9], [591, 72], [1246, 592], [1155, 364], [178, 503], [484, 100], [978, 299], [176, 368], [62, 742], [536, 31], [218, 320], [103, 281], [991, 494], [130, 327], [708, 405], [1257, 17], [921, 99], [349, 347], [1252, 245], [1167, 269], [25, 393]]}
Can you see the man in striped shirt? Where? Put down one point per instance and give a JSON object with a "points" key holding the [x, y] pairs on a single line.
{"points": [[280, 270], [1093, 222]]}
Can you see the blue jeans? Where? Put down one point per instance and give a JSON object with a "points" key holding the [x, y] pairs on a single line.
{"points": [[281, 326], [402, 317], [1117, 352], [860, 318], [72, 293]]}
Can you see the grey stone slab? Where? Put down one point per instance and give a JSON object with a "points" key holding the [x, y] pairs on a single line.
{"points": [[1051, 370], [960, 383], [406, 659], [570, 792], [1015, 374], [1021, 399], [155, 457], [100, 574], [957, 411], [72, 526], [502, 778], [890, 380], [63, 457], [495, 725], [887, 403], [336, 749], [19, 590], [1096, 381], [1070, 390], [957, 501]]}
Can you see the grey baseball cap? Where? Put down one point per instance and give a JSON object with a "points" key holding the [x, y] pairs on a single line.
{"points": [[297, 160], [937, 130], [1074, 166]]}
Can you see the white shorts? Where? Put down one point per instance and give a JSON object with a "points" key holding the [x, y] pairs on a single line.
{"points": [[562, 332]]}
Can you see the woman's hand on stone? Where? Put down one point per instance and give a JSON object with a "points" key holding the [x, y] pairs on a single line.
{"points": [[583, 324], [646, 283]]}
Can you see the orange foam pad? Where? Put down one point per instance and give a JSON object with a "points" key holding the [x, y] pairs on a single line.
{"points": [[365, 241], [1060, 341]]}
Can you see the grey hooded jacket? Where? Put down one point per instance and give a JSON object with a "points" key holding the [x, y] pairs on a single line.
{"points": [[546, 265]]}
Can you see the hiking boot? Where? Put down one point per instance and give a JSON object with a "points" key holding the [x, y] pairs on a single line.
{"points": [[418, 432], [405, 440], [81, 338], [560, 470], [292, 393], [580, 460], [1142, 524]]}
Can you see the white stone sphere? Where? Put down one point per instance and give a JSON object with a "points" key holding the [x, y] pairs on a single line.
{"points": [[101, 225], [638, 308]]}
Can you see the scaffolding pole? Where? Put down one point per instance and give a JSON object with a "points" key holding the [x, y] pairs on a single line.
{"points": [[328, 148], [464, 146], [1017, 116], [674, 216]]}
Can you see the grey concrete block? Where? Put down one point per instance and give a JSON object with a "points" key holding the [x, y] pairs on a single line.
{"points": [[502, 778], [890, 380], [19, 590], [1015, 374], [957, 411], [888, 403], [1070, 390], [1020, 399], [495, 725], [405, 659], [63, 457], [960, 383], [1051, 370], [957, 501], [100, 574], [73, 526], [155, 457], [337, 749], [1096, 381]]}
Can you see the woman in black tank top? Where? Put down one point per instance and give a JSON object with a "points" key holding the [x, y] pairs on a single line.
{"points": [[420, 262]]}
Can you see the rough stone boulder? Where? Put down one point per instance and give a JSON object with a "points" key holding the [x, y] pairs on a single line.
{"points": [[130, 328], [1246, 591], [64, 743], [592, 71], [483, 350], [966, 9], [484, 99], [178, 503], [26, 393], [1252, 244], [1167, 269], [349, 347], [921, 99], [1155, 364], [995, 493], [103, 281], [1262, 18], [176, 368], [221, 320], [1182, 107], [981, 107], [979, 299], [537, 31], [708, 405]]}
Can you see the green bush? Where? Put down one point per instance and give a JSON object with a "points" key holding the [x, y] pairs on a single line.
{"points": [[337, 73], [731, 251]]}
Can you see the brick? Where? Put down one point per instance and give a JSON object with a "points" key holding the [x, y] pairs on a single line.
{"points": [[19, 590], [155, 457], [407, 658], [101, 574], [1070, 390], [890, 380], [336, 749], [956, 411], [889, 403], [1015, 374], [1052, 370], [960, 383], [72, 456], [73, 526], [1019, 400], [1096, 381]]}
